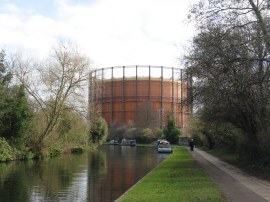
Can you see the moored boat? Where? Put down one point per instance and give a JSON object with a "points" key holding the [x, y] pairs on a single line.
{"points": [[164, 147], [114, 142], [126, 142]]}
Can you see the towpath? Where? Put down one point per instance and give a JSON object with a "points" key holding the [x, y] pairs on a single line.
{"points": [[234, 184]]}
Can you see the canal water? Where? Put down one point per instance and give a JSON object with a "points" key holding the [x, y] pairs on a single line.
{"points": [[103, 175]]}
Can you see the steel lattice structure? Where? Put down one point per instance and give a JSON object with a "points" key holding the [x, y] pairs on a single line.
{"points": [[145, 94]]}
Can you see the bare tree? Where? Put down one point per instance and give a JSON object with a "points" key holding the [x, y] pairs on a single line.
{"points": [[147, 116], [231, 14], [57, 84], [229, 60]]}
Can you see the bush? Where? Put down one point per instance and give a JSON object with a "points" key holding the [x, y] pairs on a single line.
{"points": [[142, 135], [6, 151], [158, 133], [29, 155], [145, 136], [248, 150], [54, 152], [17, 116], [172, 135], [99, 130], [118, 131], [171, 132], [148, 135], [72, 131], [131, 133]]}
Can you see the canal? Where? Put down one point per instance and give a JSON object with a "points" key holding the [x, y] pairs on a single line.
{"points": [[103, 175]]}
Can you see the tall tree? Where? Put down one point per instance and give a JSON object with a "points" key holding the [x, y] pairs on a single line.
{"points": [[15, 114], [5, 74], [53, 85], [171, 132], [230, 63], [4, 81], [233, 14]]}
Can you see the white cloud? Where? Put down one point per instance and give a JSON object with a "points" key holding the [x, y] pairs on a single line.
{"points": [[111, 32]]}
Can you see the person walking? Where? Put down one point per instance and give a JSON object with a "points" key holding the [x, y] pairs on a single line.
{"points": [[191, 144]]}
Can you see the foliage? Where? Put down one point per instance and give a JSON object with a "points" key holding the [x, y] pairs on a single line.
{"points": [[148, 135], [233, 14], [117, 131], [53, 151], [130, 131], [71, 132], [171, 132], [29, 155], [6, 151], [216, 135], [15, 113], [98, 130], [229, 61], [17, 116], [54, 85], [177, 178], [5, 73]]}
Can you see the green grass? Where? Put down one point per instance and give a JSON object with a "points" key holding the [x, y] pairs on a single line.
{"points": [[177, 178], [260, 168], [225, 155]]}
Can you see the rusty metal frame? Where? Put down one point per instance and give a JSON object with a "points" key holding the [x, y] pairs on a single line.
{"points": [[164, 76]]}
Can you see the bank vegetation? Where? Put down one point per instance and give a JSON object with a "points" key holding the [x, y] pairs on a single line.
{"points": [[43, 105]]}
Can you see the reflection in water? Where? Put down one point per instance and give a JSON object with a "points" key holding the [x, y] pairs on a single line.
{"points": [[98, 162], [103, 175]]}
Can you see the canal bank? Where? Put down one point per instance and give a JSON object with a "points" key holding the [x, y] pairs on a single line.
{"points": [[177, 178]]}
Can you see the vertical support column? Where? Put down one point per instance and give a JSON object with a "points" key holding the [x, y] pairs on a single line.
{"points": [[123, 96], [148, 111], [190, 93], [95, 88], [102, 93], [173, 94], [90, 93], [162, 98], [181, 100], [136, 114], [149, 83], [94, 93], [111, 105], [90, 86]]}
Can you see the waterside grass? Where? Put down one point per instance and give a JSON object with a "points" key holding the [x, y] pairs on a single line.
{"points": [[177, 178]]}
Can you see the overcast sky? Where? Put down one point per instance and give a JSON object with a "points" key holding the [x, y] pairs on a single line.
{"points": [[110, 32]]}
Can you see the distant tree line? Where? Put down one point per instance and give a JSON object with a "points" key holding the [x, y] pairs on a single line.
{"points": [[146, 133]]}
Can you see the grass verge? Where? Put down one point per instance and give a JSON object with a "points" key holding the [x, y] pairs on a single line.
{"points": [[257, 169], [177, 178]]}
